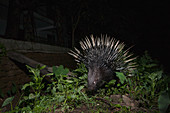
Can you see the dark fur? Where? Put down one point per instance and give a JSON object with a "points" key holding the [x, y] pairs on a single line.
{"points": [[97, 76]]}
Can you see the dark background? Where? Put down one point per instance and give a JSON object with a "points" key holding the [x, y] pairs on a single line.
{"points": [[146, 25]]}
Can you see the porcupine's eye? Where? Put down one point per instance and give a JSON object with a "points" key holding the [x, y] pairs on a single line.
{"points": [[94, 82]]}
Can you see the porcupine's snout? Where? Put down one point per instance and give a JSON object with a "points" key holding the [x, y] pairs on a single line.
{"points": [[97, 76], [93, 78]]}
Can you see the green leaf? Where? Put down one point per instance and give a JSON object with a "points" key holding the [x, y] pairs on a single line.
{"points": [[29, 68], [69, 81], [35, 71], [112, 82], [53, 91], [73, 96], [7, 101], [159, 75], [42, 67], [49, 74], [163, 102], [68, 97], [25, 86], [118, 84], [54, 70], [31, 96], [61, 99], [117, 105], [60, 70], [64, 75], [60, 87], [31, 83], [25, 97], [121, 77], [81, 68], [27, 109], [151, 65], [80, 88]]}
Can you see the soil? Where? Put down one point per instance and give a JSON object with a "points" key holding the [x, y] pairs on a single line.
{"points": [[10, 73]]}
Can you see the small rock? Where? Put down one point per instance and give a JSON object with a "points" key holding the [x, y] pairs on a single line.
{"points": [[129, 102]]}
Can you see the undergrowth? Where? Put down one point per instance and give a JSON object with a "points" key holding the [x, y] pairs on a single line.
{"points": [[67, 92]]}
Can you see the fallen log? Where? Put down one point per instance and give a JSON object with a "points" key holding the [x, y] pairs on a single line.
{"points": [[23, 61]]}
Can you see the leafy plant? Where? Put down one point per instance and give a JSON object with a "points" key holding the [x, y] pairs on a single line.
{"points": [[11, 94], [164, 97], [34, 89], [117, 86], [164, 101], [121, 77], [148, 82], [61, 93], [146, 85], [8, 101], [67, 90], [36, 83]]}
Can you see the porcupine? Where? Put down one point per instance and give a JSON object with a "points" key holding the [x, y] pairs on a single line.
{"points": [[103, 56]]}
